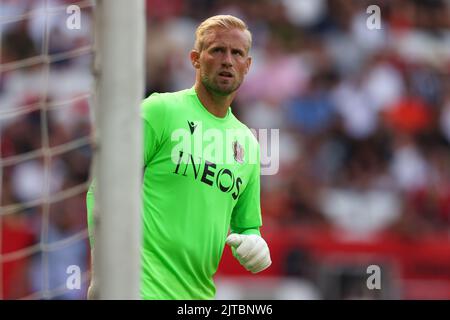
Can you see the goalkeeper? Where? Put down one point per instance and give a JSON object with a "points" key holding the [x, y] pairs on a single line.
{"points": [[191, 199]]}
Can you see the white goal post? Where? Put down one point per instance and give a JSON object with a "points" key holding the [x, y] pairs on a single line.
{"points": [[119, 70]]}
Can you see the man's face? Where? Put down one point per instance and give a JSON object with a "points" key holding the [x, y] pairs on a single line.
{"points": [[224, 60]]}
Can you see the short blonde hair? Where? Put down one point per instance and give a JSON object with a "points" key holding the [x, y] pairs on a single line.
{"points": [[220, 21]]}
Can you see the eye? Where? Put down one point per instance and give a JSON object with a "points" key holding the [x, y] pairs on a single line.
{"points": [[238, 52]]}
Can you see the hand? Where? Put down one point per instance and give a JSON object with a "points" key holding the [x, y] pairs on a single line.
{"points": [[252, 251]]}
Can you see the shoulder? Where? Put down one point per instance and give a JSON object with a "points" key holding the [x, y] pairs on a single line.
{"points": [[166, 99], [158, 104]]}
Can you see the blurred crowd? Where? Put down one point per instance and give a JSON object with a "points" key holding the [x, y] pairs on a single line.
{"points": [[363, 113], [363, 116]]}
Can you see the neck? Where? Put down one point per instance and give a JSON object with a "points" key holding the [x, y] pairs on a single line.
{"points": [[215, 104]]}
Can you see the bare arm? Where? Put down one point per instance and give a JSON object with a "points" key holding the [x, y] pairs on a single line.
{"points": [[92, 293]]}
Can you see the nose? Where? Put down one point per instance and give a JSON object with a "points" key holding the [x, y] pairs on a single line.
{"points": [[227, 59]]}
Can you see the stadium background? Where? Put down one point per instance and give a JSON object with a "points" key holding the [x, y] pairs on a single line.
{"points": [[364, 119]]}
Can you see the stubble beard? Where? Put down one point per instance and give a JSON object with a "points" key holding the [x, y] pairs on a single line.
{"points": [[216, 89]]}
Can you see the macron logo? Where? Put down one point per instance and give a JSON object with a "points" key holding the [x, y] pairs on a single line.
{"points": [[192, 126]]}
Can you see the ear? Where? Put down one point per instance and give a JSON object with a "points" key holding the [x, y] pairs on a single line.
{"points": [[249, 63], [195, 56]]}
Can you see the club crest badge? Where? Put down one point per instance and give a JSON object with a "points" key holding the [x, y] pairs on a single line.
{"points": [[238, 152]]}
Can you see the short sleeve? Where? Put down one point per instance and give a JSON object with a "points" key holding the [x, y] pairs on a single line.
{"points": [[153, 114], [153, 117], [247, 211]]}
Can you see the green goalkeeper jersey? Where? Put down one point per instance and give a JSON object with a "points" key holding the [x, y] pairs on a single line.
{"points": [[201, 178]]}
